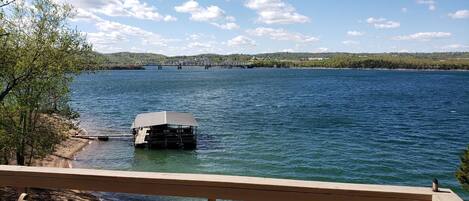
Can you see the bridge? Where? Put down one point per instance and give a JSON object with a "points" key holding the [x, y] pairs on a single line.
{"points": [[179, 65]]}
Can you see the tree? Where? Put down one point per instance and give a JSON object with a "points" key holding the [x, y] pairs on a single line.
{"points": [[463, 172], [40, 56]]}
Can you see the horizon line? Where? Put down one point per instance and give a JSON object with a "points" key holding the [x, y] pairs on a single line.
{"points": [[253, 54]]}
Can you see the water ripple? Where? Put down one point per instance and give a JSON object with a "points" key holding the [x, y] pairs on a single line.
{"points": [[383, 127]]}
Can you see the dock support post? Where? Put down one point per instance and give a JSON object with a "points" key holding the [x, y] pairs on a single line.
{"points": [[212, 199]]}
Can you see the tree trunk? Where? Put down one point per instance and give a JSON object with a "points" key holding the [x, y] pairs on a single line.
{"points": [[6, 158], [19, 157], [31, 154]]}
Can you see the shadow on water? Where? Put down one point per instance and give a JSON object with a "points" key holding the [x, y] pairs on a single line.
{"points": [[165, 160], [148, 160]]}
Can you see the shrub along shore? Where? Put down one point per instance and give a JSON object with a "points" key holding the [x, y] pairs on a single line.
{"points": [[40, 54], [62, 157]]}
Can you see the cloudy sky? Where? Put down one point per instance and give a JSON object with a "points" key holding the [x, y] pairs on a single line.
{"points": [[188, 27]]}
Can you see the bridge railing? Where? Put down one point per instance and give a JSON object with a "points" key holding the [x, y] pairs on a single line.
{"points": [[212, 186]]}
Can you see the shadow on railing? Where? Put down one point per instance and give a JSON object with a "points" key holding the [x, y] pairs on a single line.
{"points": [[211, 186]]}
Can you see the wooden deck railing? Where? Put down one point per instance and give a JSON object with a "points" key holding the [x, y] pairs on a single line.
{"points": [[212, 186]]}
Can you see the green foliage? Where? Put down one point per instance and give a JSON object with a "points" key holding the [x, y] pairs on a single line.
{"points": [[125, 60], [463, 172], [40, 55], [437, 61]]}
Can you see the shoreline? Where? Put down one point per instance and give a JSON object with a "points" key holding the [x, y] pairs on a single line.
{"points": [[379, 69], [65, 152], [314, 68], [62, 157]]}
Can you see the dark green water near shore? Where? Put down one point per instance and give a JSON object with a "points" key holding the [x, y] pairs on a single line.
{"points": [[360, 126]]}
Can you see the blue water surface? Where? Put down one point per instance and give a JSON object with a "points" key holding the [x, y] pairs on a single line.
{"points": [[360, 126]]}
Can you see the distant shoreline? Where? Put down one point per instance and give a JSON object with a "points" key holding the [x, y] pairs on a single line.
{"points": [[300, 68], [333, 60], [121, 67], [381, 69]]}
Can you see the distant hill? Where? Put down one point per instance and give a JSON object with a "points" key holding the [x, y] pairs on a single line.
{"points": [[134, 58], [127, 60], [440, 60]]}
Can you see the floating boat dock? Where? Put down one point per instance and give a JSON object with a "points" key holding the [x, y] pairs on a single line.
{"points": [[161, 130]]}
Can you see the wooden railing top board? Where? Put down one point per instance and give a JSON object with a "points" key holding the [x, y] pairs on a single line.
{"points": [[210, 186]]}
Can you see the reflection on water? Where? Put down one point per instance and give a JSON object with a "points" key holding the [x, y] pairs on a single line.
{"points": [[168, 160]]}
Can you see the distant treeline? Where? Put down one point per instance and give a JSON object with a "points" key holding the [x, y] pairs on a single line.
{"points": [[124, 61], [371, 62], [118, 67], [442, 61]]}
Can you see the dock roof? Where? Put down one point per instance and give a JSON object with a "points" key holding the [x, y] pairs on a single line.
{"points": [[162, 118]]}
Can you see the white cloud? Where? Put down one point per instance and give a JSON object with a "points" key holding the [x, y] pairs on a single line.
{"points": [[350, 42], [423, 36], [355, 33], [169, 18], [382, 23], [321, 49], [226, 26], [403, 51], [230, 18], [125, 8], [431, 4], [213, 14], [195, 36], [456, 47], [199, 13], [104, 38], [275, 12], [281, 34], [84, 15], [199, 45], [460, 14], [404, 10], [241, 41], [110, 36]]}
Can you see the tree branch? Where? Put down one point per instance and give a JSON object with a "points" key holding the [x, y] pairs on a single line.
{"points": [[7, 3], [6, 91]]}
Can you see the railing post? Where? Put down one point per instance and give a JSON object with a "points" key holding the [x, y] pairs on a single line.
{"points": [[22, 192], [23, 197]]}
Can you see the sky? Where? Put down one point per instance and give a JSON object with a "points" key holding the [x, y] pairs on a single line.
{"points": [[190, 27]]}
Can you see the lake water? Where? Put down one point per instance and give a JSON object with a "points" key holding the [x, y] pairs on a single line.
{"points": [[360, 126]]}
